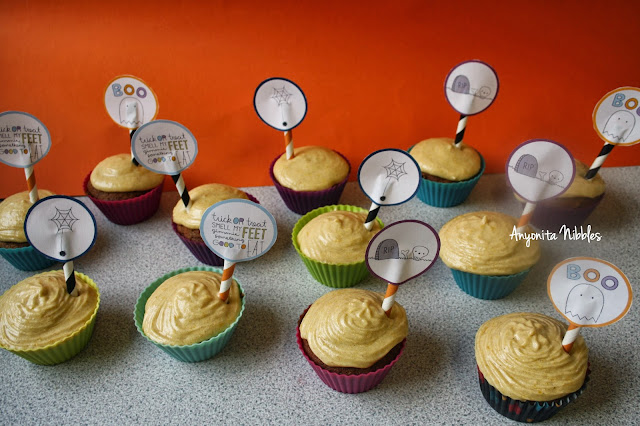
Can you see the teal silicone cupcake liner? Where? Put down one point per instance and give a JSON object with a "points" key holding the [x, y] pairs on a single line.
{"points": [[188, 353], [67, 348], [438, 194], [26, 258], [341, 275], [488, 287]]}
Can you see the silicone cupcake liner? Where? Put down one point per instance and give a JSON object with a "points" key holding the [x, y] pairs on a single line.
{"points": [[348, 383], [439, 194], [188, 353], [68, 347], [26, 258], [199, 249], [302, 202], [526, 411], [332, 275], [551, 218], [488, 287], [131, 211]]}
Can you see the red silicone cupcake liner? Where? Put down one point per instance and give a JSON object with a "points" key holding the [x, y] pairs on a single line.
{"points": [[131, 211], [302, 202], [551, 218], [348, 383]]}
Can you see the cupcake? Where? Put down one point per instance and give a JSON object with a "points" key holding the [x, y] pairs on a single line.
{"points": [[126, 194], [349, 341], [44, 324], [182, 314], [14, 246], [186, 224], [524, 372], [572, 207], [332, 242], [484, 260], [448, 173], [313, 178]]}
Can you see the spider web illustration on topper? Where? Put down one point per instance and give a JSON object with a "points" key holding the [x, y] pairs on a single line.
{"points": [[64, 220], [389, 177], [280, 103]]}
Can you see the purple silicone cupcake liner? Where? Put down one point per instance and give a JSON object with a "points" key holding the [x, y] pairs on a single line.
{"points": [[199, 249], [551, 218], [526, 411], [26, 258], [348, 383], [488, 287], [131, 211], [302, 202]]}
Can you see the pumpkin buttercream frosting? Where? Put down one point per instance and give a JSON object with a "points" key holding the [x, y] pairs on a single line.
{"points": [[202, 197], [439, 157], [312, 168], [118, 174], [13, 211]]}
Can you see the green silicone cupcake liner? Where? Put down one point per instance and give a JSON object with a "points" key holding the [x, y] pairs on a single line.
{"points": [[332, 275], [197, 351], [65, 349], [488, 287]]}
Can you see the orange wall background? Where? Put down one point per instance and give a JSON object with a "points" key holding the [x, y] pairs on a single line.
{"points": [[373, 75]]}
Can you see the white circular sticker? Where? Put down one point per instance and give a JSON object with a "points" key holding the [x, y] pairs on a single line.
{"points": [[164, 146], [60, 227], [280, 103], [130, 102], [540, 169], [616, 117], [589, 292], [389, 177], [471, 87], [402, 250], [24, 140], [238, 230]]}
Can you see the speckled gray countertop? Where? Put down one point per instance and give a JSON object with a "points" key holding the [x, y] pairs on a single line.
{"points": [[261, 377]]}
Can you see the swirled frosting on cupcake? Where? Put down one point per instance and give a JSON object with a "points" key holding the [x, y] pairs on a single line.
{"points": [[336, 237], [203, 197], [348, 328], [521, 355], [38, 311], [439, 157], [186, 309], [480, 243], [581, 187], [13, 211], [312, 168], [118, 174]]}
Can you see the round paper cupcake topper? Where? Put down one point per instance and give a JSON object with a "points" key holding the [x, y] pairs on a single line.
{"points": [[24, 140], [402, 251], [130, 102], [616, 117], [540, 169], [589, 292], [164, 146], [238, 230], [61, 228], [280, 103], [471, 87], [389, 177]]}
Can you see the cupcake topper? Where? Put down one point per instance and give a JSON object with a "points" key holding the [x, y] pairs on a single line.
{"points": [[539, 169], [24, 141], [388, 177], [470, 87], [237, 231], [166, 147], [63, 229], [616, 119], [400, 252], [130, 102], [588, 292], [281, 104]]}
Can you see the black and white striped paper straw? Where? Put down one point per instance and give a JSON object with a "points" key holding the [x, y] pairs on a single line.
{"points": [[371, 216], [133, 158], [462, 125], [70, 278], [597, 163], [182, 190]]}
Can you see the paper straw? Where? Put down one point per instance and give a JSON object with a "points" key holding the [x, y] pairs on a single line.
{"points": [[70, 278], [31, 184], [371, 216], [227, 279], [597, 163], [389, 297], [462, 125], [526, 216], [288, 143], [182, 190], [570, 336], [133, 158]]}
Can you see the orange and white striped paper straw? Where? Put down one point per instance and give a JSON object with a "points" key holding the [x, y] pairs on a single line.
{"points": [[288, 143], [526, 216], [389, 297], [227, 279], [570, 336], [31, 184]]}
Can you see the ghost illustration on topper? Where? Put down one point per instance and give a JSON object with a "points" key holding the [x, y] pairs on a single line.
{"points": [[131, 113], [619, 125], [585, 302]]}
